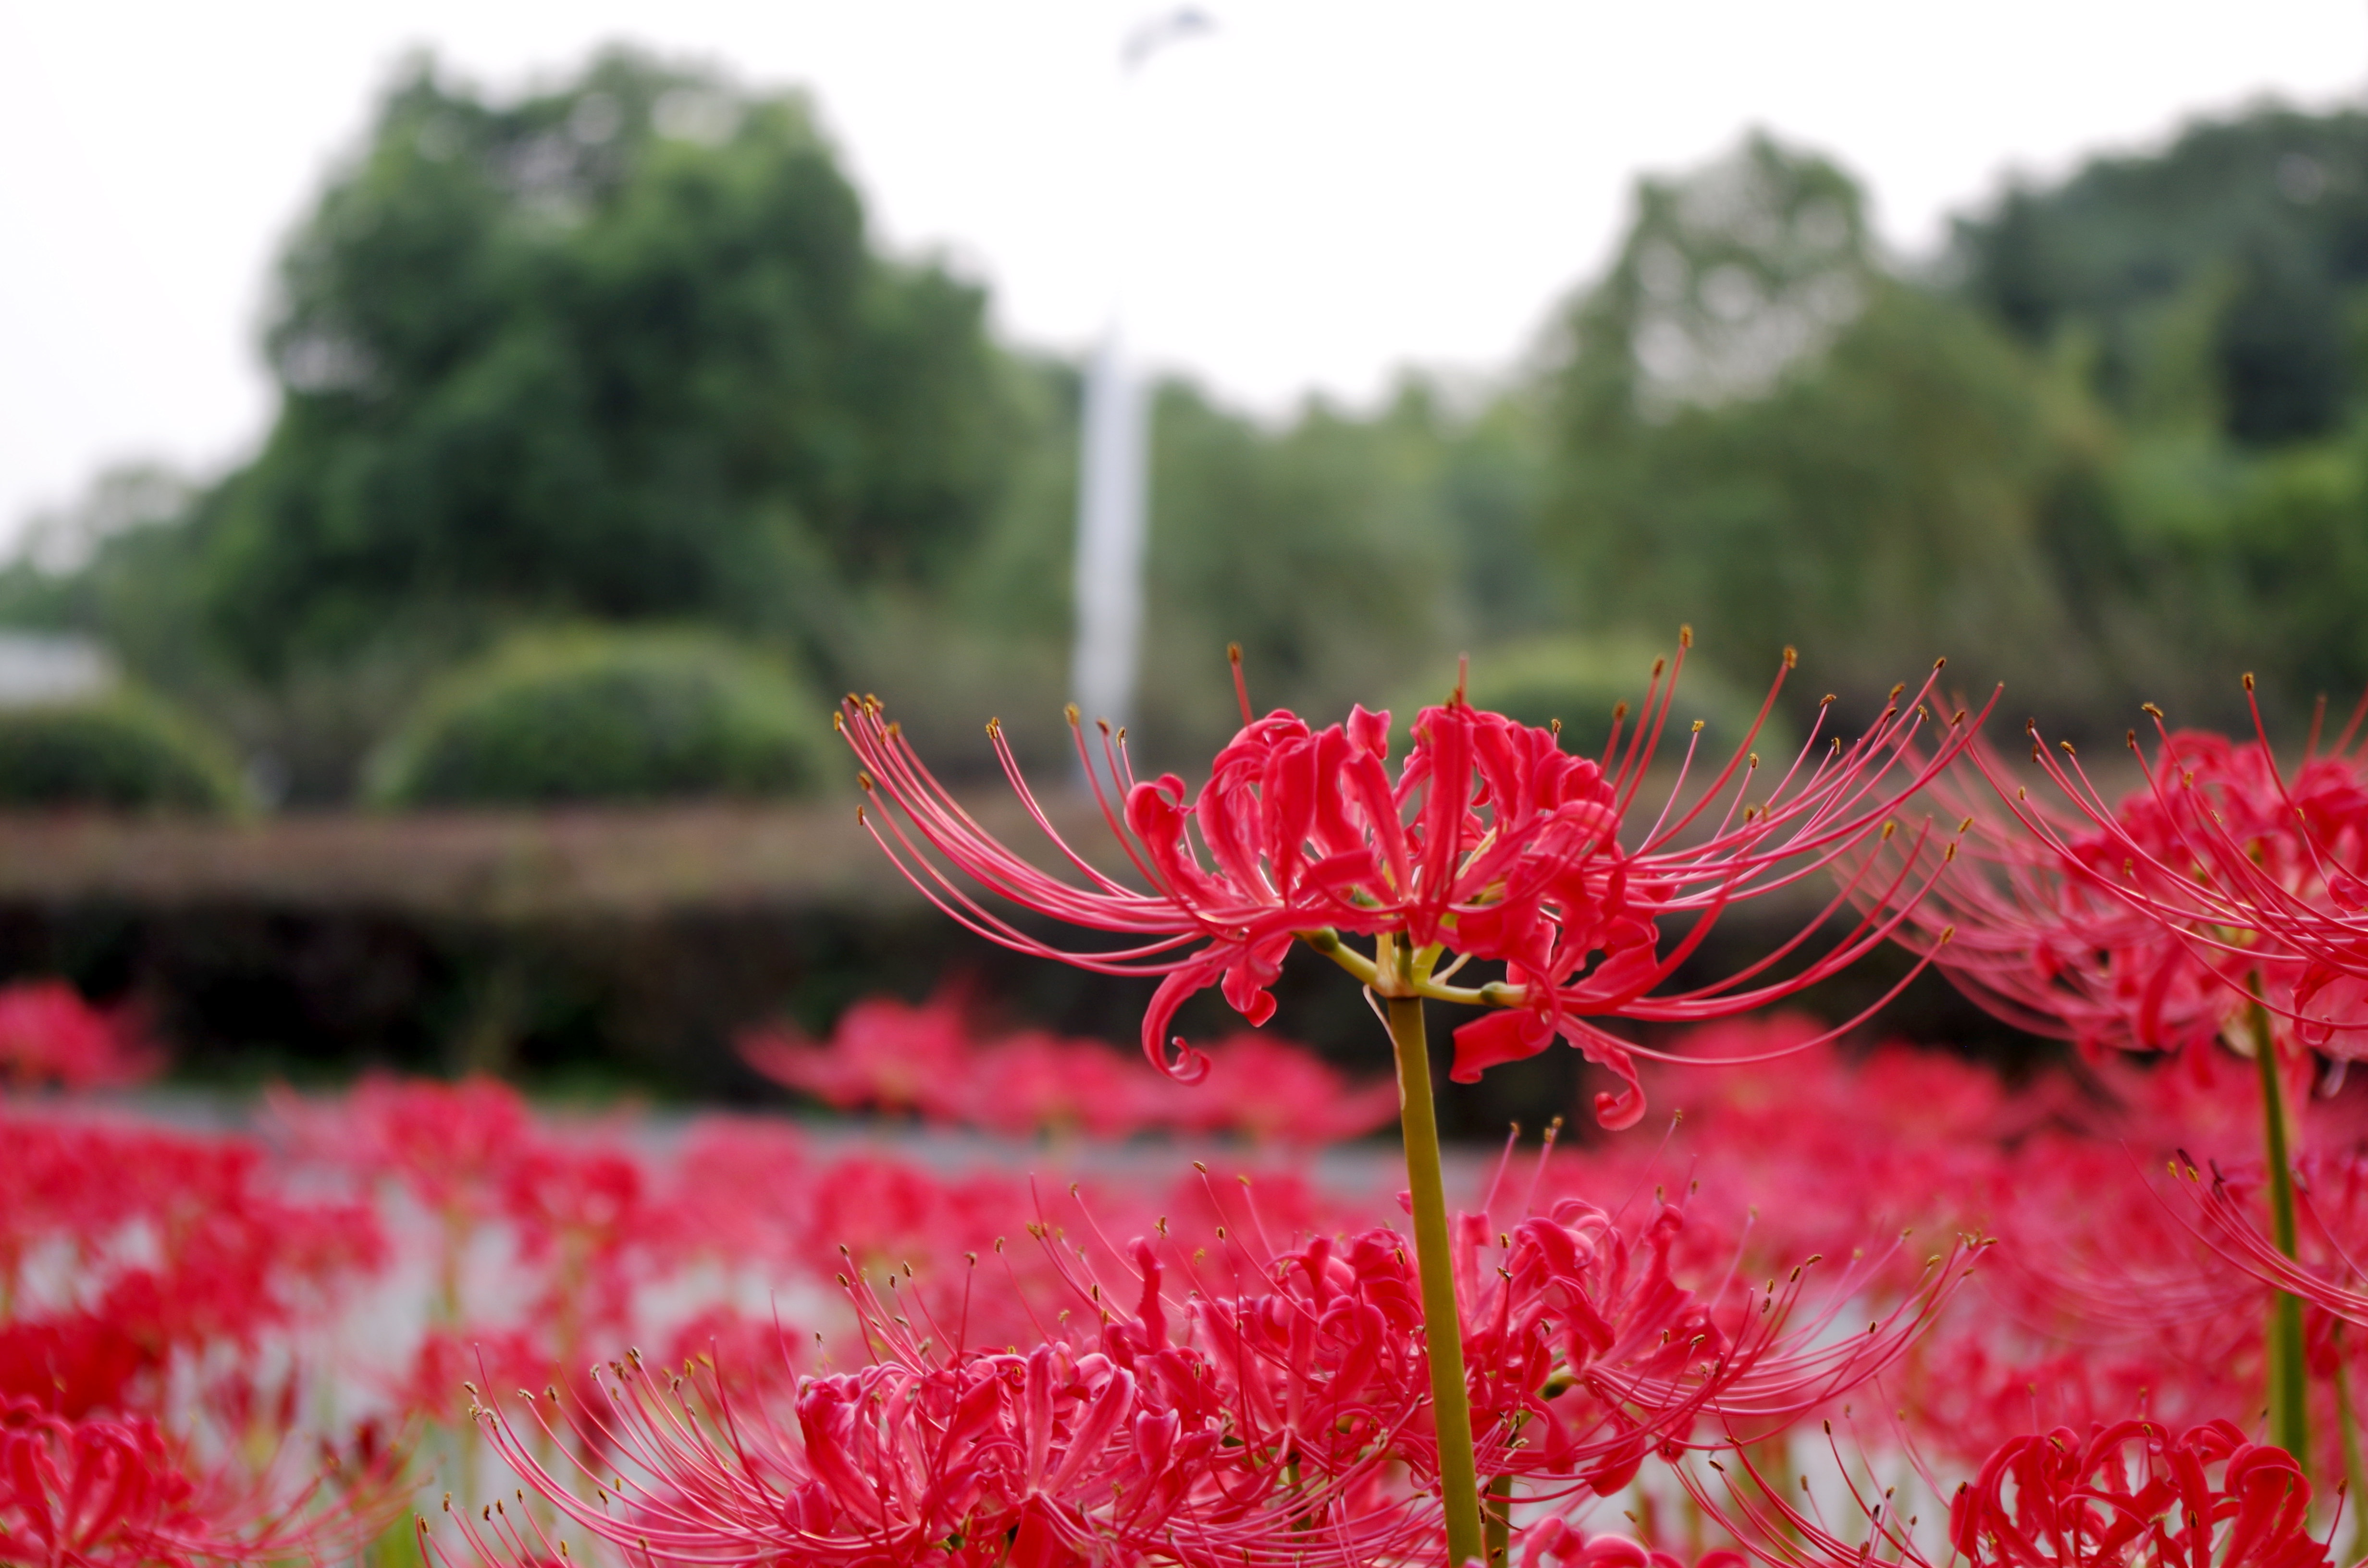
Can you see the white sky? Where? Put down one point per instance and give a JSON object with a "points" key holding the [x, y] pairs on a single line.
{"points": [[1331, 189]]}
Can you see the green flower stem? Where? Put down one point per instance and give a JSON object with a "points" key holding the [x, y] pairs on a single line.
{"points": [[1442, 1325], [2289, 1413], [1498, 1526], [2346, 1425]]}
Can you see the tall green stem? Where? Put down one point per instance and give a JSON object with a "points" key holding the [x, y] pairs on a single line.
{"points": [[1442, 1326], [2289, 1415], [2347, 1427]]}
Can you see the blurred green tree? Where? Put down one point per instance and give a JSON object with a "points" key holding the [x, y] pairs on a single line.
{"points": [[618, 350], [623, 352], [1346, 555], [1761, 432], [2267, 213]]}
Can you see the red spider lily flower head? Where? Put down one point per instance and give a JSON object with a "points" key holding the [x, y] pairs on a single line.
{"points": [[1490, 842], [97, 1493], [2161, 921], [2331, 1195], [2130, 1494], [49, 1036], [884, 1053], [1555, 1542]]}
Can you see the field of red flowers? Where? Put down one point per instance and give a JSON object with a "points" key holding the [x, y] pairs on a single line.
{"points": [[740, 1338], [1022, 1301]]}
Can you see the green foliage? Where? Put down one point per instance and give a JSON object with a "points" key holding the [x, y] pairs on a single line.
{"points": [[620, 350], [1883, 501], [622, 353], [1342, 553], [123, 751], [609, 716], [2265, 217]]}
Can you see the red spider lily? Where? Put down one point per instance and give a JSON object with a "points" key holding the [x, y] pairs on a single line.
{"points": [[177, 1243], [100, 1493], [451, 1147], [1559, 1542], [1048, 1457], [927, 1060], [569, 1205], [49, 1036], [1492, 842], [2215, 901], [2227, 1205], [579, 1217], [1823, 1149], [447, 1359], [1251, 1404], [2128, 1495], [1574, 1325], [884, 1053], [2159, 923], [2131, 1493], [2094, 1300]]}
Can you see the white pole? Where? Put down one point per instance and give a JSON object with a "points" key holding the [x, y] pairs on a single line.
{"points": [[1113, 512], [1110, 527]]}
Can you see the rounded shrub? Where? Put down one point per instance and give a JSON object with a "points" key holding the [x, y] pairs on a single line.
{"points": [[123, 751], [1579, 680], [610, 716]]}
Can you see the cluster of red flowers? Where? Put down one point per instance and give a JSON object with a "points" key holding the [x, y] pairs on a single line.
{"points": [[2219, 887], [894, 1351], [1246, 1399], [1240, 1374], [1039, 1402], [51, 1038], [151, 1286], [928, 1060]]}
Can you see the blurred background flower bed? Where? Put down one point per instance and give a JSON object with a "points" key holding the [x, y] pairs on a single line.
{"points": [[321, 1299]]}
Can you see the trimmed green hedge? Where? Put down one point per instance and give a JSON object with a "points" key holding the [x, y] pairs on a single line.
{"points": [[610, 716], [125, 751]]}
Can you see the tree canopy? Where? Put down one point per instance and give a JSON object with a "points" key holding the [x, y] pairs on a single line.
{"points": [[625, 351], [618, 350]]}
